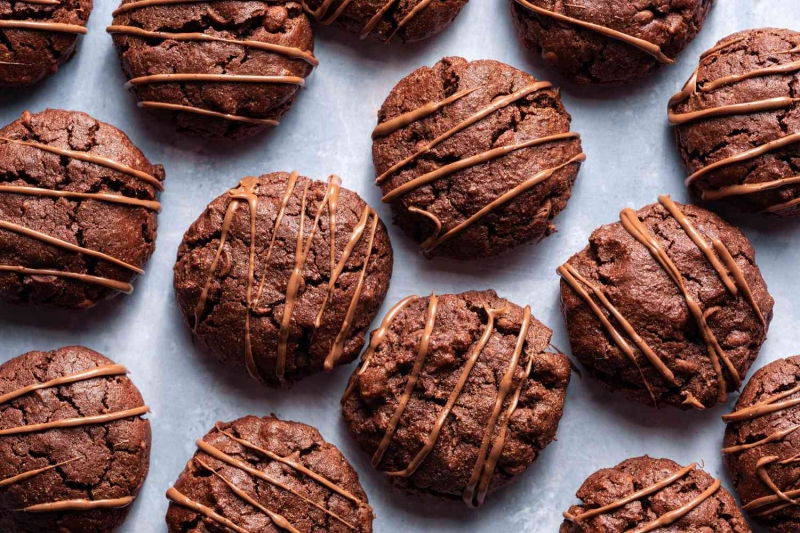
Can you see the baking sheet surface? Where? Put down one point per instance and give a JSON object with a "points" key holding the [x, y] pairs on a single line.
{"points": [[631, 160]]}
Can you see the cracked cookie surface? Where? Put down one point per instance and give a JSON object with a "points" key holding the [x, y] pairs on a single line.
{"points": [[310, 326], [715, 509], [741, 69], [268, 475], [488, 170], [222, 40], [95, 462], [27, 55], [651, 33], [48, 186], [642, 292], [486, 398]]}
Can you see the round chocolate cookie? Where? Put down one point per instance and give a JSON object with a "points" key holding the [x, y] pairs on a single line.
{"points": [[265, 474], [283, 275], [77, 210], [646, 494], [37, 36], [738, 125], [457, 394], [220, 69], [762, 445], [608, 41], [74, 448], [667, 305], [475, 157], [386, 20]]}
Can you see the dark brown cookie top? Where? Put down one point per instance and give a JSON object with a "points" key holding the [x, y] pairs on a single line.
{"points": [[608, 41], [762, 444], [36, 36], [737, 123], [282, 290], [74, 448], [268, 475], [221, 69], [475, 157], [387, 20], [667, 305], [646, 494], [457, 394], [77, 210]]}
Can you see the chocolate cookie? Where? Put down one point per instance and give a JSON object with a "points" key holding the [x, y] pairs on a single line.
{"points": [[667, 305], [762, 445], [457, 394], [644, 494], [37, 36], [384, 20], [77, 210], [264, 474], [475, 157], [74, 448], [220, 69], [283, 275], [737, 121], [608, 41]]}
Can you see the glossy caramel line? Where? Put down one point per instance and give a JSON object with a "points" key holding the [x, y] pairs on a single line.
{"points": [[120, 286], [411, 383], [775, 437], [741, 282], [677, 119], [219, 455], [417, 9], [480, 472], [92, 373], [431, 241], [287, 51], [32, 473], [140, 4], [90, 158], [53, 241], [787, 68], [675, 515], [652, 489], [782, 206], [500, 103], [276, 518], [764, 407], [178, 498], [100, 197], [751, 188], [643, 45], [320, 15], [40, 2], [322, 480], [475, 352], [222, 78], [406, 119], [78, 505], [189, 109], [377, 338], [43, 26], [76, 422]]}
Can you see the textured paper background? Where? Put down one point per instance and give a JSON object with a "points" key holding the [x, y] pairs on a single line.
{"points": [[631, 160]]}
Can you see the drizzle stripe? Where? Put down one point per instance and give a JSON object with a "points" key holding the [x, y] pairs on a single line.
{"points": [[177, 498], [645, 46], [422, 354], [764, 407], [132, 6], [787, 68], [78, 505], [100, 197], [31, 473], [750, 188], [53, 241], [208, 113], [75, 422], [680, 512], [90, 158], [676, 119], [775, 437], [430, 242], [406, 119], [92, 373], [120, 286], [738, 275], [40, 2], [42, 26], [288, 51], [419, 8], [222, 78]]}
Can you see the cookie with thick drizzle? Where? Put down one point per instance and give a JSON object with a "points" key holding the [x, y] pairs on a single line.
{"points": [[736, 122], [667, 305], [282, 275], [457, 394], [74, 448], [475, 157]]}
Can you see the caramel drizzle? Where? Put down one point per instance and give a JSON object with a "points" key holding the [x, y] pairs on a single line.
{"points": [[32, 473], [225, 78], [178, 498], [76, 422], [764, 407], [120, 286], [652, 489], [675, 515], [422, 354], [206, 112], [100, 197], [320, 15], [692, 88], [377, 338], [41, 2], [43, 26], [140, 4], [478, 485], [406, 119], [288, 51], [775, 437], [643, 45], [78, 505], [100, 371]]}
